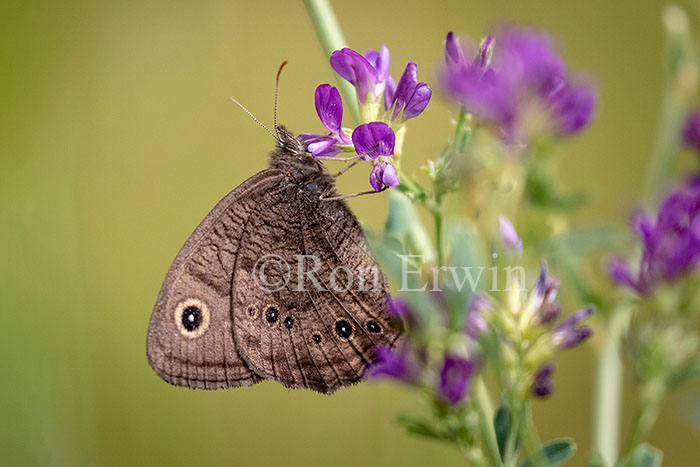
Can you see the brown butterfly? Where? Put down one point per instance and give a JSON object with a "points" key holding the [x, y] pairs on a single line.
{"points": [[315, 317]]}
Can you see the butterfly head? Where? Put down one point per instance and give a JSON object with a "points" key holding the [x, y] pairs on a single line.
{"points": [[289, 142]]}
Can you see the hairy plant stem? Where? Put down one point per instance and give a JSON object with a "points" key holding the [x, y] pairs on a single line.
{"points": [[331, 37]]}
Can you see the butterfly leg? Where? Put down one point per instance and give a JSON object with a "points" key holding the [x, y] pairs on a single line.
{"points": [[352, 195]]}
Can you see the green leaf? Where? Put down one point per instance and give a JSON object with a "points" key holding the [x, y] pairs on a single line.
{"points": [[541, 193], [467, 272], [403, 224], [644, 455], [419, 426], [501, 425], [555, 452]]}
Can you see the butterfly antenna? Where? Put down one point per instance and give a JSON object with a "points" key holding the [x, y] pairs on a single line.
{"points": [[277, 94], [274, 135]]}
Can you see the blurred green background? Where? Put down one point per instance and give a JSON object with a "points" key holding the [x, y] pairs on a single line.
{"points": [[117, 137]]}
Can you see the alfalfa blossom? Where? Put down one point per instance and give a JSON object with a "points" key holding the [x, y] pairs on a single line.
{"points": [[517, 83], [385, 107], [456, 377], [671, 243], [527, 324], [446, 372]]}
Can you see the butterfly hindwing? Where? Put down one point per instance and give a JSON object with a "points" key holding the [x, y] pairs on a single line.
{"points": [[190, 336]]}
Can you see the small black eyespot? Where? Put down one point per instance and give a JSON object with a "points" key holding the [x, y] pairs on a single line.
{"points": [[373, 326], [343, 328], [191, 318], [251, 311], [316, 337], [289, 322], [272, 314]]}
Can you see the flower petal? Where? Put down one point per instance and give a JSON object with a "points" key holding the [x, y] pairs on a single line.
{"points": [[389, 92], [356, 69], [573, 108], [380, 61], [542, 385], [368, 135], [405, 88], [389, 176], [455, 378], [398, 363], [329, 107], [418, 102], [510, 235], [375, 177], [453, 51]]}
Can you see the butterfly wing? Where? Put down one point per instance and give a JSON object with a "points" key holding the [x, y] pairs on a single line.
{"points": [[190, 335], [294, 320]]}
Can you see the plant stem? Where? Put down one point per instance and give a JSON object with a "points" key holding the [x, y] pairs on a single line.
{"points": [[530, 437], [438, 216], [331, 37], [643, 422], [482, 403], [608, 393]]}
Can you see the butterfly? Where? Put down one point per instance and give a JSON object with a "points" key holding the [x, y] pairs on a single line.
{"points": [[277, 282]]}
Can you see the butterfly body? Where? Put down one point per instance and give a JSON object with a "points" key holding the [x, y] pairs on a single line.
{"points": [[309, 318]]}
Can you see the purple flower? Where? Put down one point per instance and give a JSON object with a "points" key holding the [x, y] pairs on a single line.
{"points": [[373, 139], [380, 61], [398, 308], [510, 235], [410, 97], [573, 107], [383, 174], [398, 363], [567, 334], [370, 74], [357, 70], [455, 378], [476, 321], [671, 244], [526, 77], [329, 107], [542, 385]]}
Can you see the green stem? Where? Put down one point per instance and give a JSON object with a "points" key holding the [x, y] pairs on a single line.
{"points": [[677, 96], [484, 408], [530, 437], [672, 115], [438, 216], [331, 36], [643, 423], [608, 392]]}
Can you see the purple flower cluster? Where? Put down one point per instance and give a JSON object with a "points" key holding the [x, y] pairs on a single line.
{"points": [[567, 334], [671, 243], [517, 83], [374, 139], [407, 363]]}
